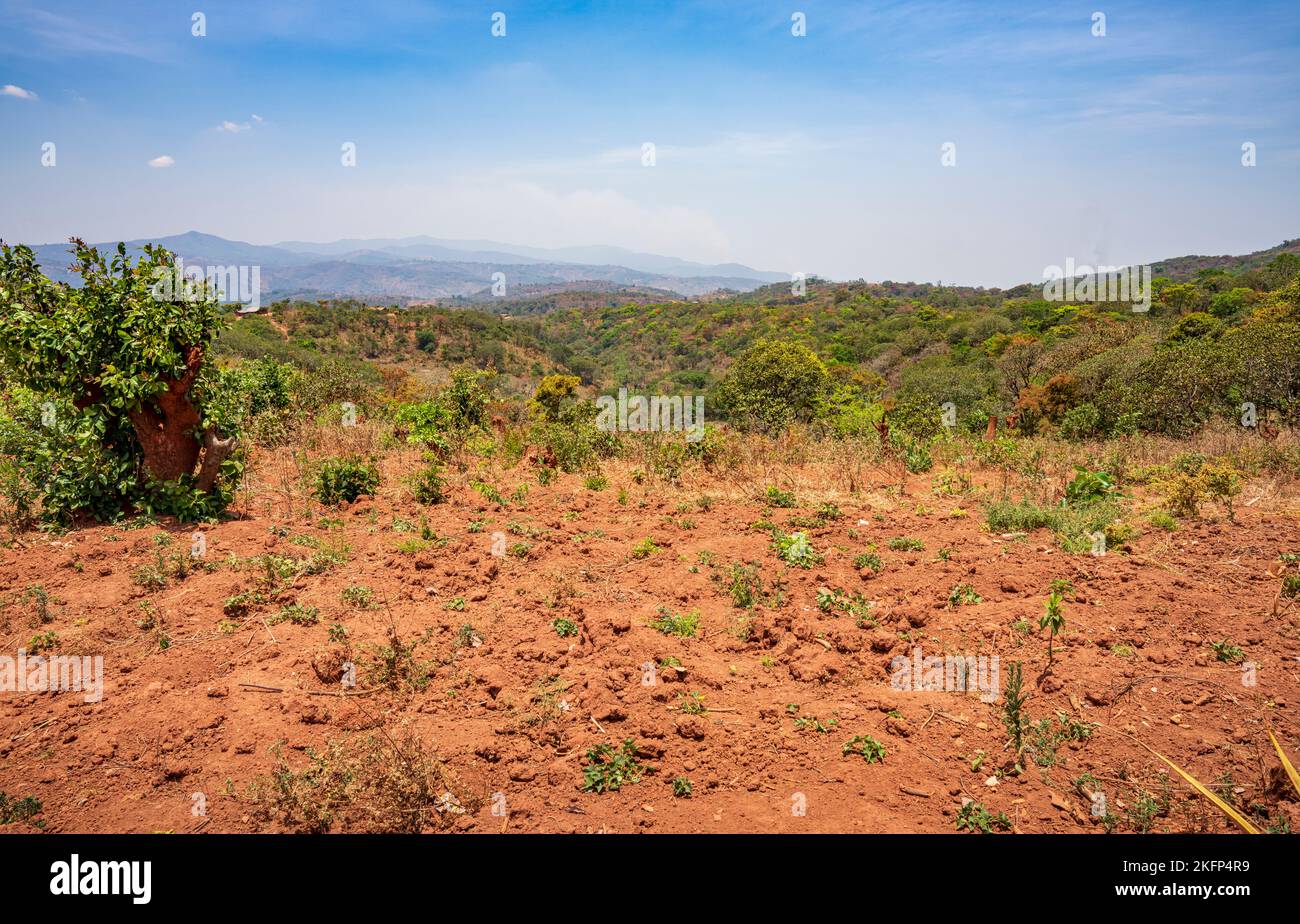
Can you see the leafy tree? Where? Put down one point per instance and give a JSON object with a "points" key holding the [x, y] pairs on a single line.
{"points": [[772, 384], [121, 360], [554, 394], [1182, 297]]}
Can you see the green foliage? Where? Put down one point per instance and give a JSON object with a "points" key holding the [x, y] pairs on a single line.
{"points": [[466, 397], [1074, 526], [99, 365], [609, 769], [1081, 423], [963, 595], [424, 423], [343, 480], [745, 584], [683, 625], [555, 398], [297, 614], [1192, 326], [868, 561], [1014, 718], [778, 498], [795, 549], [773, 384], [1088, 487], [1227, 652], [974, 817], [644, 549], [871, 750], [428, 484], [1053, 620], [358, 596], [14, 810]]}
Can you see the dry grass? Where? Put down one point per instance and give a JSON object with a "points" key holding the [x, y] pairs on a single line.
{"points": [[375, 785]]}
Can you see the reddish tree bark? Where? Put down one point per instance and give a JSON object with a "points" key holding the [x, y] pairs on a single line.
{"points": [[166, 429]]}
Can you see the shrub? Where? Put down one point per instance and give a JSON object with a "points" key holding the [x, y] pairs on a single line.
{"points": [[1088, 487], [428, 484], [778, 498], [424, 423], [373, 785], [344, 480], [1081, 423], [141, 421], [773, 384], [466, 397], [555, 398]]}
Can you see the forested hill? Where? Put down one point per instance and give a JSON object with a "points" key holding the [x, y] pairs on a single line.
{"points": [[986, 349]]}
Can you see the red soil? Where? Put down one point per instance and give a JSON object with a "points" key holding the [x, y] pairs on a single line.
{"points": [[194, 718]]}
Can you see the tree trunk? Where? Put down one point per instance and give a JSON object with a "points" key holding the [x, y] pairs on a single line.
{"points": [[166, 429], [215, 451]]}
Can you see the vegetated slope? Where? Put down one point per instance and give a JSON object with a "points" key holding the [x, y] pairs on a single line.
{"points": [[984, 345], [1187, 267]]}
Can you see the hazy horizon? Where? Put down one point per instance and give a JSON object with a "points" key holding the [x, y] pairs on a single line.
{"points": [[818, 153]]}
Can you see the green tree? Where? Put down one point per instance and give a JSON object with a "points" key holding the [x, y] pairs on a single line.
{"points": [[124, 353], [772, 384]]}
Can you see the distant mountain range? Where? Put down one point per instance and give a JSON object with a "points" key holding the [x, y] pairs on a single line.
{"points": [[428, 269]]}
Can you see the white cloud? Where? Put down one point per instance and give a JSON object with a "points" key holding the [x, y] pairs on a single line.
{"points": [[234, 128], [10, 90], [166, 160]]}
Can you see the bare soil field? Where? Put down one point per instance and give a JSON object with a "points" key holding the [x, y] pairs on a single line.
{"points": [[494, 645]]}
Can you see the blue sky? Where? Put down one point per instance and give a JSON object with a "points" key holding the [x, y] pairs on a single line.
{"points": [[818, 153]]}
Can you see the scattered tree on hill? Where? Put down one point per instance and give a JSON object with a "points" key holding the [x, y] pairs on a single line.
{"points": [[122, 371]]}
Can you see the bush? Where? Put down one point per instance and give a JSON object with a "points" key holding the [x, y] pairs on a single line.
{"points": [[344, 480], [1081, 423], [1088, 487], [466, 397], [424, 423], [773, 384], [428, 484], [123, 411]]}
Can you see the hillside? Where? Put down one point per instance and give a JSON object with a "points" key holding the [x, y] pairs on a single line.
{"points": [[1187, 267]]}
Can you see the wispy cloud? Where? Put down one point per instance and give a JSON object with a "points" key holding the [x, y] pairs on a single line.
{"points": [[164, 160], [40, 33], [10, 90]]}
